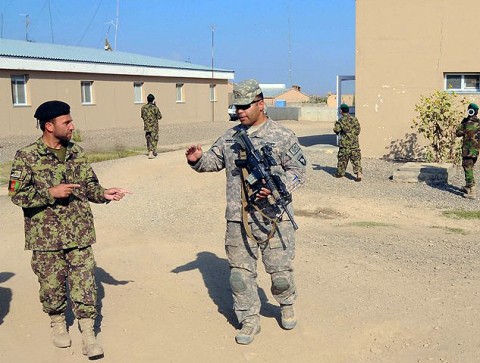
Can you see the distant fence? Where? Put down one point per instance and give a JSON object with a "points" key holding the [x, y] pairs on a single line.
{"points": [[304, 113]]}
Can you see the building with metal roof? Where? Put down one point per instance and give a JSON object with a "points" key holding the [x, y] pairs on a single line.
{"points": [[105, 89]]}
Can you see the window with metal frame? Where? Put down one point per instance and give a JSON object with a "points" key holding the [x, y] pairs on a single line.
{"points": [[138, 92], [180, 95], [19, 90], [87, 92], [213, 97], [458, 82]]}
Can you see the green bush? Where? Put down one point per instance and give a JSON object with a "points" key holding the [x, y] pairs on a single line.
{"points": [[438, 116]]}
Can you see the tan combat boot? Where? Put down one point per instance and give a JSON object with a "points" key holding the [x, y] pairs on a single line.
{"points": [[60, 337], [250, 328], [90, 346], [289, 321], [150, 155], [471, 192]]}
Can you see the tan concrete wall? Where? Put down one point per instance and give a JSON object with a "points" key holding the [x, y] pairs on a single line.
{"points": [[113, 98], [403, 49], [332, 100]]}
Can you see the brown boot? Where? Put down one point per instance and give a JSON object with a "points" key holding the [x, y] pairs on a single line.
{"points": [[289, 321], [60, 337], [471, 192], [247, 333], [90, 346], [359, 177]]}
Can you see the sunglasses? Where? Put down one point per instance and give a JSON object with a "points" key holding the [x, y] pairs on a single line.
{"points": [[247, 106]]}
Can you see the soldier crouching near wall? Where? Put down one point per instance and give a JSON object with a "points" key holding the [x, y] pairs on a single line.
{"points": [[53, 183], [469, 130]]}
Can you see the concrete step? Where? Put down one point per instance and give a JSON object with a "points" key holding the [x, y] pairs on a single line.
{"points": [[430, 173]]}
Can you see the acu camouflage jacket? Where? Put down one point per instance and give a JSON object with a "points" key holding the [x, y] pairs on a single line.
{"points": [[54, 224], [291, 165]]}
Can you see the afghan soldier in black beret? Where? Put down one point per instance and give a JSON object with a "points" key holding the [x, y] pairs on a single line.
{"points": [[53, 182]]}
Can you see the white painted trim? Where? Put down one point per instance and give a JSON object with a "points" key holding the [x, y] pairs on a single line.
{"points": [[19, 64]]}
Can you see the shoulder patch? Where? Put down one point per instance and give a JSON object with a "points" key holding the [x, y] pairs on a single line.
{"points": [[301, 159], [15, 174], [294, 149], [13, 186]]}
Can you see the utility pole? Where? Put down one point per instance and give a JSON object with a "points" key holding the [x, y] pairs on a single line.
{"points": [[289, 55], [27, 24], [116, 26], [212, 90], [51, 23]]}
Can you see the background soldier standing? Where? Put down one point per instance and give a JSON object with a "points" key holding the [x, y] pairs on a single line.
{"points": [[469, 130], [53, 183], [349, 149], [261, 232], [151, 115]]}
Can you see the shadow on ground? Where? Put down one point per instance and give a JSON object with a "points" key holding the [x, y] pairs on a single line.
{"points": [[326, 139], [216, 276], [5, 295]]}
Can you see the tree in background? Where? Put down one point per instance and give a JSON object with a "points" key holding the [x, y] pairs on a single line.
{"points": [[438, 116]]}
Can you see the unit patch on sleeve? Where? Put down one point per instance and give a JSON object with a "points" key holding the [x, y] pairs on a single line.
{"points": [[294, 149], [301, 159], [14, 183]]}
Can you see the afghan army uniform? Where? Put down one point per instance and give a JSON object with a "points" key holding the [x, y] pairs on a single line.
{"points": [[244, 241], [59, 231], [349, 149], [151, 115], [469, 130]]}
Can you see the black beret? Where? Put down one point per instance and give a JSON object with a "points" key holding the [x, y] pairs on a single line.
{"points": [[51, 109]]}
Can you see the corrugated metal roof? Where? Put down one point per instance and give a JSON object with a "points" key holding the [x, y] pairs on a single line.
{"points": [[45, 51]]}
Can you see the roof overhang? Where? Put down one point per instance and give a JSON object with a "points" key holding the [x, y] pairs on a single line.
{"points": [[18, 63]]}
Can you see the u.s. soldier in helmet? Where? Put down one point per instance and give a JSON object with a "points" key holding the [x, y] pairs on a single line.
{"points": [[252, 230]]}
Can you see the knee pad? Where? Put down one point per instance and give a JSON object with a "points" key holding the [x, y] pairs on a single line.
{"points": [[237, 281], [279, 285]]}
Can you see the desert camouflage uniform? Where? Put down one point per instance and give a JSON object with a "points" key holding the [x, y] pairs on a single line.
{"points": [[59, 231], [151, 115], [469, 130], [242, 252], [349, 149]]}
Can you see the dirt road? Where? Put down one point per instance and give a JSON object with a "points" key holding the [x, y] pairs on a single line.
{"points": [[381, 278]]}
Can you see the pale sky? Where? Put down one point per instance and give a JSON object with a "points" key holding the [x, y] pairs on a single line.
{"points": [[307, 43]]}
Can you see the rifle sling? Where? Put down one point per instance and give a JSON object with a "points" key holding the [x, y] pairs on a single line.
{"points": [[246, 194]]}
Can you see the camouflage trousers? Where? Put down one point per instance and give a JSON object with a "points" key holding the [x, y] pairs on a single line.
{"points": [[152, 140], [468, 163], [344, 156], [277, 255], [57, 269]]}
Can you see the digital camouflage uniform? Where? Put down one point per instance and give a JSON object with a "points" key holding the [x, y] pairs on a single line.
{"points": [[151, 115], [349, 149], [60, 232], [242, 252], [469, 130]]}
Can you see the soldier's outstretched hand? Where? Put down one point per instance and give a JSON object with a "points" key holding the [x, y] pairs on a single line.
{"points": [[194, 153], [115, 194]]}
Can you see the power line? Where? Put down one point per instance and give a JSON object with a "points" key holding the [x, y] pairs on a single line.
{"points": [[91, 21]]}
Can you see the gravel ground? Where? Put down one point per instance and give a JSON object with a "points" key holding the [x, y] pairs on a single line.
{"points": [[315, 137]]}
